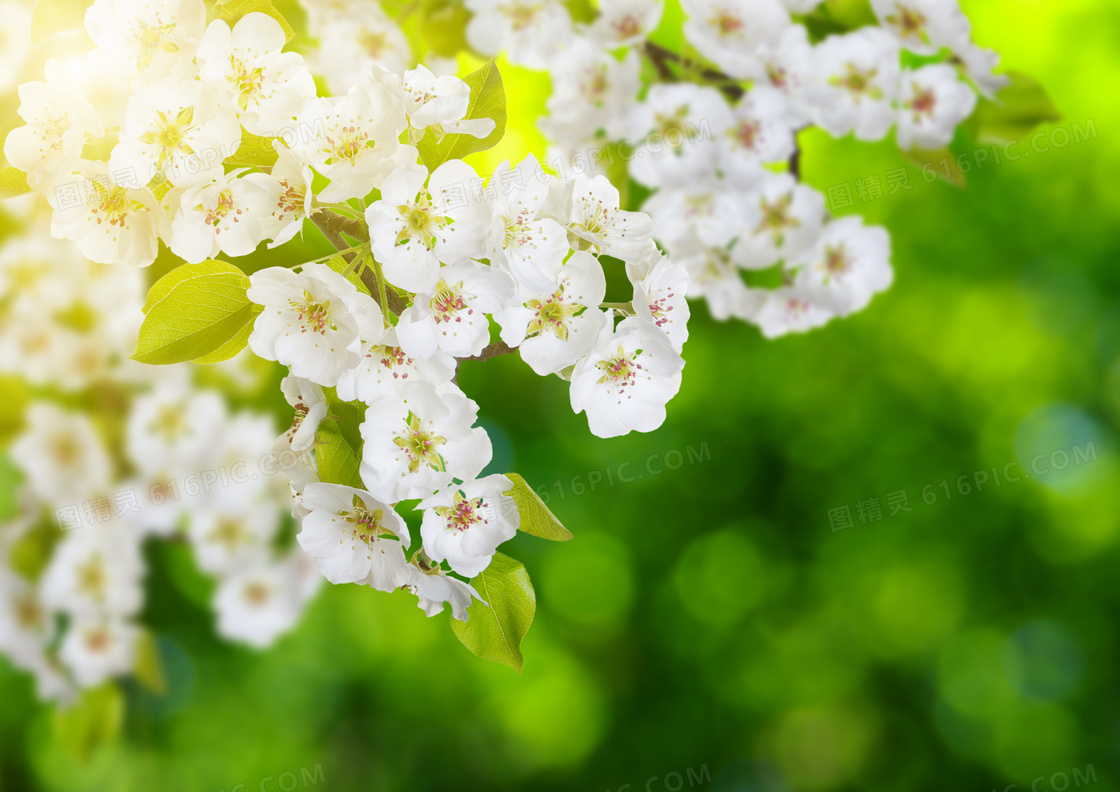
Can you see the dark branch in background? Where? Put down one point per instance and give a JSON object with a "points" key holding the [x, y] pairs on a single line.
{"points": [[661, 57], [493, 350], [795, 160], [333, 227]]}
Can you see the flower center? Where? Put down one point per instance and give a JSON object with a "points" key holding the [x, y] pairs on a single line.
{"points": [[347, 143], [149, 39], [229, 534], [859, 83], [258, 594], [464, 513], [448, 302], [923, 103], [169, 135], [92, 579], [727, 23], [552, 314], [836, 262], [420, 444], [366, 525], [909, 21], [248, 82], [776, 219], [221, 210], [746, 135], [621, 370], [521, 14], [314, 316]]}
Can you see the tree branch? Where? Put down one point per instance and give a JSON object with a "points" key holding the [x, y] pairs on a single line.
{"points": [[660, 56], [333, 227], [496, 349]]}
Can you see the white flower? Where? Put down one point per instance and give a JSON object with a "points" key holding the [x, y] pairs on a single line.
{"points": [[223, 216], [386, 367], [465, 523], [591, 91], [530, 32], [292, 198], [263, 86], [257, 604], [175, 432], [57, 123], [151, 39], [416, 443], [848, 265], [97, 648], [112, 224], [62, 455], [435, 587], [556, 318], [441, 103], [788, 216], [760, 132], [524, 237], [351, 43], [95, 571], [419, 223], [314, 322], [713, 273], [784, 310], [624, 23], [932, 103], [856, 83], [600, 226], [26, 627], [661, 299], [786, 65], [924, 26], [729, 32], [978, 64], [452, 316], [674, 132], [353, 140], [715, 212], [626, 381], [800, 6], [235, 536], [311, 408], [353, 537], [175, 128]]}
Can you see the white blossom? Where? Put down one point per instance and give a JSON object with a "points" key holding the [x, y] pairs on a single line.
{"points": [[314, 321], [465, 523], [354, 537], [625, 382]]}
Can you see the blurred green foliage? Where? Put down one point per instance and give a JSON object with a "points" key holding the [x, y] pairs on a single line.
{"points": [[708, 616]]}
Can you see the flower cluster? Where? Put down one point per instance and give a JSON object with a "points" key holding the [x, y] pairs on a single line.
{"points": [[110, 453], [713, 134], [214, 140]]}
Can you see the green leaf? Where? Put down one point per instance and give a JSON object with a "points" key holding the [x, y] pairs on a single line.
{"points": [[193, 312], [13, 182], [10, 479], [229, 348], [148, 669], [338, 461], [1018, 108], [54, 16], [343, 268], [254, 150], [488, 100], [93, 721], [232, 10], [935, 162], [536, 518], [496, 632]]}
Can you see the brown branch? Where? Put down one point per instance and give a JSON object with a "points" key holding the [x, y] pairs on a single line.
{"points": [[660, 56], [496, 349], [333, 227]]}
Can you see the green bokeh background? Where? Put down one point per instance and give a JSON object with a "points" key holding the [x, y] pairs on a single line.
{"points": [[708, 617]]}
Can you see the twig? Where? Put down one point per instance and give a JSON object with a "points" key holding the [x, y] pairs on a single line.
{"points": [[496, 349], [660, 56]]}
